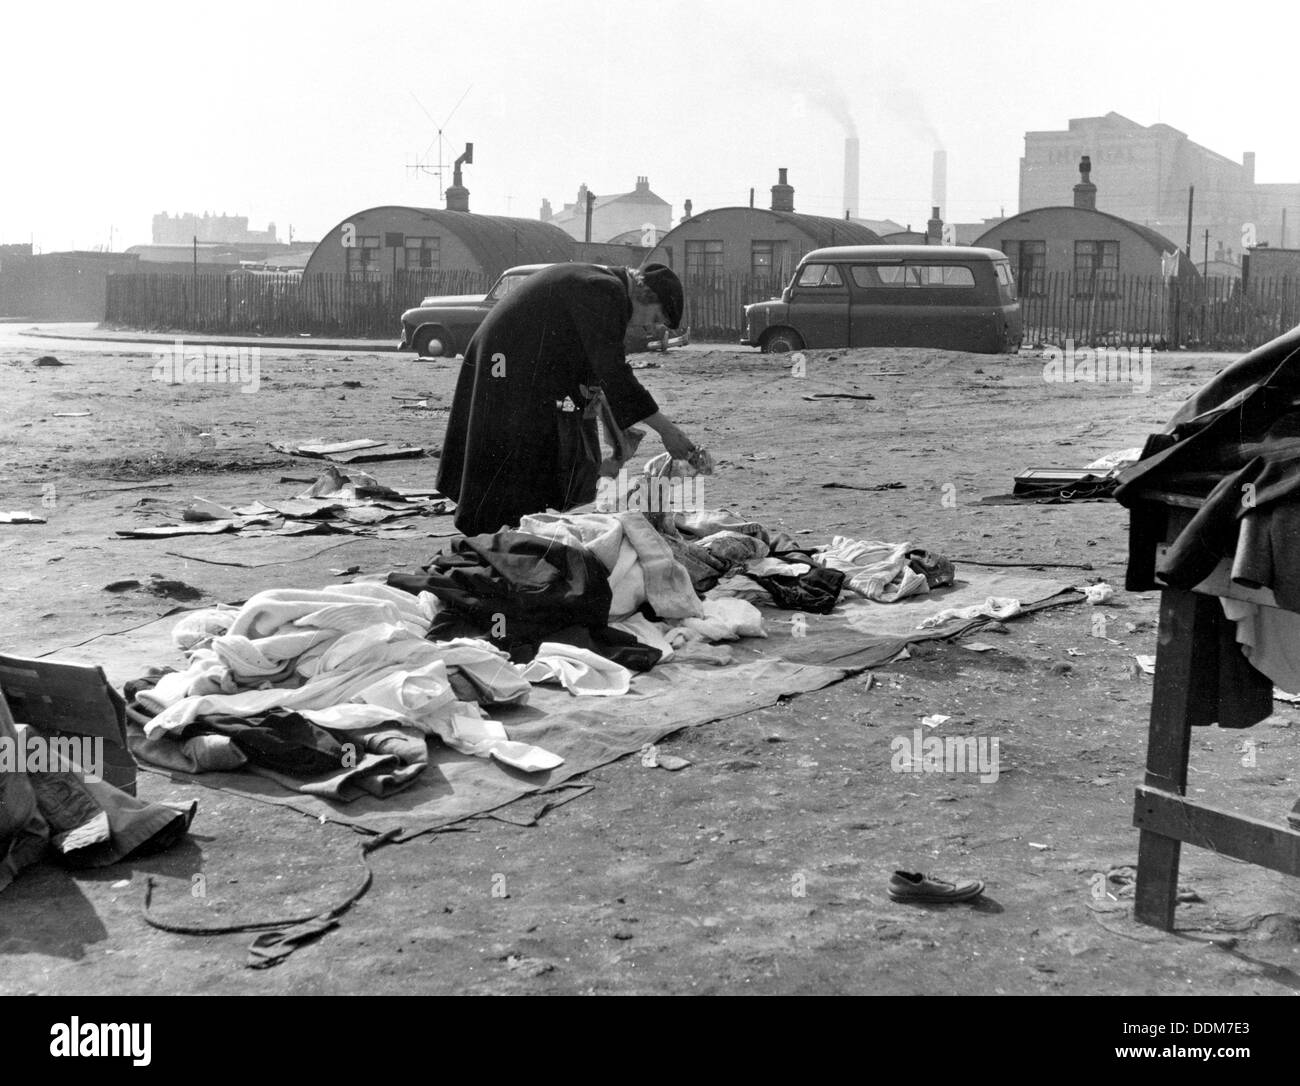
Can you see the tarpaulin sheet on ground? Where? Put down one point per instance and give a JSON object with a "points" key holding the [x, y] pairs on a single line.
{"points": [[590, 732]]}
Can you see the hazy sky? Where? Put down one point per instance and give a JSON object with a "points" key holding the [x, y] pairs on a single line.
{"points": [[302, 113]]}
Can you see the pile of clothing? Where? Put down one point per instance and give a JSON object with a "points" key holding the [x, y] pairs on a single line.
{"points": [[336, 692]]}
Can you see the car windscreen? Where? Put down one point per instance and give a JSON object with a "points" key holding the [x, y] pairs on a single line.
{"points": [[506, 284], [820, 275]]}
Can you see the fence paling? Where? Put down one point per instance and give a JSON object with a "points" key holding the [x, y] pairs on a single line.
{"points": [[1142, 310]]}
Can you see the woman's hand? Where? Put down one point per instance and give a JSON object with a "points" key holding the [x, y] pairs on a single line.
{"points": [[679, 446]]}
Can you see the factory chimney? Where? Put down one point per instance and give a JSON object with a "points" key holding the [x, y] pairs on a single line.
{"points": [[851, 183], [782, 193], [934, 228], [939, 181]]}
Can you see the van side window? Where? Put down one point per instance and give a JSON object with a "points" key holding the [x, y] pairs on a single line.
{"points": [[869, 276], [820, 275], [940, 275]]}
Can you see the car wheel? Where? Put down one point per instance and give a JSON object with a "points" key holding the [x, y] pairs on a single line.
{"points": [[781, 341], [433, 342]]}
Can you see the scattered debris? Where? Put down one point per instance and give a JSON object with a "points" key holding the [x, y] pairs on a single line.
{"points": [[840, 396], [70, 414], [351, 452], [1146, 663], [935, 720], [46, 360], [121, 586], [1098, 593], [851, 486], [346, 572], [21, 518], [172, 589], [671, 762], [980, 646]]}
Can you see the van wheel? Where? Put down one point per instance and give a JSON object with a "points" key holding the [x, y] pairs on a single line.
{"points": [[781, 341], [433, 342]]}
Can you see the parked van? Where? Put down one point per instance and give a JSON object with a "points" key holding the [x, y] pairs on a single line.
{"points": [[950, 296]]}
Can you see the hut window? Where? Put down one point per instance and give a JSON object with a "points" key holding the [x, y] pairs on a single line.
{"points": [[1096, 268], [703, 259], [423, 253]]}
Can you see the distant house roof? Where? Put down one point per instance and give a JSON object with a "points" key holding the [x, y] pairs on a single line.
{"points": [[880, 226], [821, 230]]}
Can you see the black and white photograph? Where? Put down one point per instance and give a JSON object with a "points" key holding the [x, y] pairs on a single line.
{"points": [[650, 499]]}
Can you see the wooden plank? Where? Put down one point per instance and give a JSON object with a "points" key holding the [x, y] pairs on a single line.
{"points": [[1257, 842]]}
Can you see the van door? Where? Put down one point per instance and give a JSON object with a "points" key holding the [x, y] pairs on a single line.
{"points": [[879, 313], [950, 310], [819, 306]]}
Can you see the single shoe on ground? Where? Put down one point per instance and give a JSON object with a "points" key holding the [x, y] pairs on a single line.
{"points": [[913, 886]]}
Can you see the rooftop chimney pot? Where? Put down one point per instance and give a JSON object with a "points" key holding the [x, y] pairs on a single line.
{"points": [[1085, 192]]}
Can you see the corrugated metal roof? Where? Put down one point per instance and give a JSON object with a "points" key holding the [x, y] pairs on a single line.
{"points": [[500, 242], [1157, 240], [496, 241], [821, 230]]}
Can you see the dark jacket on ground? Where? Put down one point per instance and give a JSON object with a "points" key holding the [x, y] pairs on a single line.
{"points": [[562, 328]]}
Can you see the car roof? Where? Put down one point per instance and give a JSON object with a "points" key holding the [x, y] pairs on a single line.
{"points": [[526, 269], [902, 252]]}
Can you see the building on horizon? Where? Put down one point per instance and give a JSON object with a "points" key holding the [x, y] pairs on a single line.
{"points": [[1144, 174], [638, 217], [184, 229]]}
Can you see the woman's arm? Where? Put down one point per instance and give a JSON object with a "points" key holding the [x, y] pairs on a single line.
{"points": [[679, 446]]}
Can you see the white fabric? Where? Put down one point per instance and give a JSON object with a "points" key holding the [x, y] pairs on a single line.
{"points": [[578, 670], [1269, 639], [1000, 607], [349, 657], [724, 620]]}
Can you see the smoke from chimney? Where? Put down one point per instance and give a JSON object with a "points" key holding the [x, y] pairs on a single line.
{"points": [[939, 182], [851, 183]]}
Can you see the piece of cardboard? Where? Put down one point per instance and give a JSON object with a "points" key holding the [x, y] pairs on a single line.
{"points": [[59, 699]]}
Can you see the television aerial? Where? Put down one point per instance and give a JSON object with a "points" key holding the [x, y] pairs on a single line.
{"points": [[422, 165]]}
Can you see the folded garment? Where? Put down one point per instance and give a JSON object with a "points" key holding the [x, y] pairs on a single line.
{"points": [[197, 754], [878, 571], [704, 522], [485, 668], [577, 670], [999, 607]]}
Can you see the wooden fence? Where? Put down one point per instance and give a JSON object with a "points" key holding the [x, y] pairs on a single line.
{"points": [[1138, 311], [284, 305], [1150, 311]]}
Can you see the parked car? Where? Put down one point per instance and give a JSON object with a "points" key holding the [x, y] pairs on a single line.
{"points": [[441, 327], [948, 296]]}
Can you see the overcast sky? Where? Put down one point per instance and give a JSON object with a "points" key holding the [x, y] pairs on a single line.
{"points": [[302, 113]]}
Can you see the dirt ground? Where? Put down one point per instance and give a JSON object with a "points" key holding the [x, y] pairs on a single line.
{"points": [[763, 866]]}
